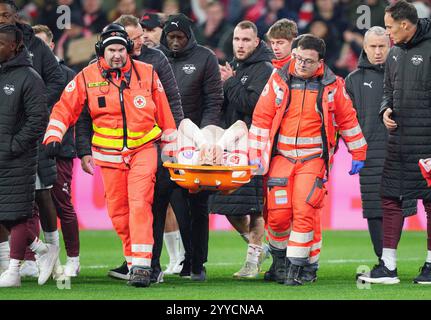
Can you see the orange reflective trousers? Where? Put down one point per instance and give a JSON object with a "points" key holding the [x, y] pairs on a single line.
{"points": [[295, 194], [129, 196]]}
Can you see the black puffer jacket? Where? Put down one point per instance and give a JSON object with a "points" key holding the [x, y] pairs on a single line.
{"points": [[23, 120], [407, 90], [198, 77], [241, 94], [164, 70], [242, 91], [365, 87], [46, 64]]}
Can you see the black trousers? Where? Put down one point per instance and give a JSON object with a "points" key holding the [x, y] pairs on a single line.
{"points": [[375, 227], [163, 190], [191, 211]]}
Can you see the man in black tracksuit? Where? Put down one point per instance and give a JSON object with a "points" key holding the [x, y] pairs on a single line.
{"points": [[45, 63], [197, 73], [244, 80], [406, 112], [365, 87]]}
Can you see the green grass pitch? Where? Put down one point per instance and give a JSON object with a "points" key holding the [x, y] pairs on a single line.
{"points": [[343, 252]]}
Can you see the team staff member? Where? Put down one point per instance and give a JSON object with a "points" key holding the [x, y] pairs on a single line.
{"points": [[129, 111], [23, 118], [295, 116], [243, 81], [365, 87]]}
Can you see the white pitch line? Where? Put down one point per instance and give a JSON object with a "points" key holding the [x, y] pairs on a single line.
{"points": [[335, 261]]}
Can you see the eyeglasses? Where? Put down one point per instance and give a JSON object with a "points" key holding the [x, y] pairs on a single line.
{"points": [[307, 62]]}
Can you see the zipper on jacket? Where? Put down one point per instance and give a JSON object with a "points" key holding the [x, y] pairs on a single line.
{"points": [[300, 115], [123, 113], [401, 135]]}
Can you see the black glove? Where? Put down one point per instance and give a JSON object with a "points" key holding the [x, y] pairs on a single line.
{"points": [[53, 149]]}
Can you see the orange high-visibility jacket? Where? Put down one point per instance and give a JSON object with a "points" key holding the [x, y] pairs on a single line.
{"points": [[127, 112], [337, 113]]}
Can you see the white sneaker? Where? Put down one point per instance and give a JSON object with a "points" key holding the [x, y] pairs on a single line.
{"points": [[4, 265], [249, 270], [178, 266], [29, 269], [10, 279], [47, 262], [57, 272], [72, 267], [170, 268]]}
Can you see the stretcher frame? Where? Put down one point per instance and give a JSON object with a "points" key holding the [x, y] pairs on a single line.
{"points": [[215, 178]]}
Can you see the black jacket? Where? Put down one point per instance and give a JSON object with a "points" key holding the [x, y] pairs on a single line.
{"points": [[68, 149], [241, 93], [198, 77], [23, 120], [164, 70], [407, 90], [365, 87], [46, 64]]}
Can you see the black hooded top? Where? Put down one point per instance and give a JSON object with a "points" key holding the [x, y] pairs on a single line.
{"points": [[365, 87], [198, 77], [407, 90]]}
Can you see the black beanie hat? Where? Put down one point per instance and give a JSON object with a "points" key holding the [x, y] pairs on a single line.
{"points": [[178, 22], [114, 33]]}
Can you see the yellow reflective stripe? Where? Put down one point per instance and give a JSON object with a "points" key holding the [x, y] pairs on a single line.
{"points": [[118, 132], [356, 144], [107, 157], [301, 237], [281, 245], [142, 248], [297, 252], [351, 132], [299, 152], [279, 234], [118, 143], [299, 140], [259, 132]]}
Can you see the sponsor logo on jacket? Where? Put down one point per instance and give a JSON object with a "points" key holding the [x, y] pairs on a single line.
{"points": [[9, 89], [189, 68], [417, 60]]}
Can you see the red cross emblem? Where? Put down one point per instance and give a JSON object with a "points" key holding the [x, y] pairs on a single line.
{"points": [[139, 102]]}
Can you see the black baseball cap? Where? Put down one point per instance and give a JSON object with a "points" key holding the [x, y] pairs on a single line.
{"points": [[151, 21]]}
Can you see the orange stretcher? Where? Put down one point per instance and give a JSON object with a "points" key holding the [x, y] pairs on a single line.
{"points": [[215, 178]]}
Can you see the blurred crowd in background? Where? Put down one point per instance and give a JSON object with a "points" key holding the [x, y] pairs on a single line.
{"points": [[332, 20]]}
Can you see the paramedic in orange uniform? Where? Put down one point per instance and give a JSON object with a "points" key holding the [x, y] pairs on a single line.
{"points": [[294, 121], [129, 112]]}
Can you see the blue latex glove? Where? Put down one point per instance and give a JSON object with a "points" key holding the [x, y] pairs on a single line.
{"points": [[356, 167], [256, 162]]}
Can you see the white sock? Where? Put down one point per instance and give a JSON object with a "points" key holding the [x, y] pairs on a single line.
{"points": [[52, 237], [428, 257], [182, 252], [14, 265], [73, 259], [253, 253], [4, 254], [38, 247], [172, 245], [389, 257]]}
